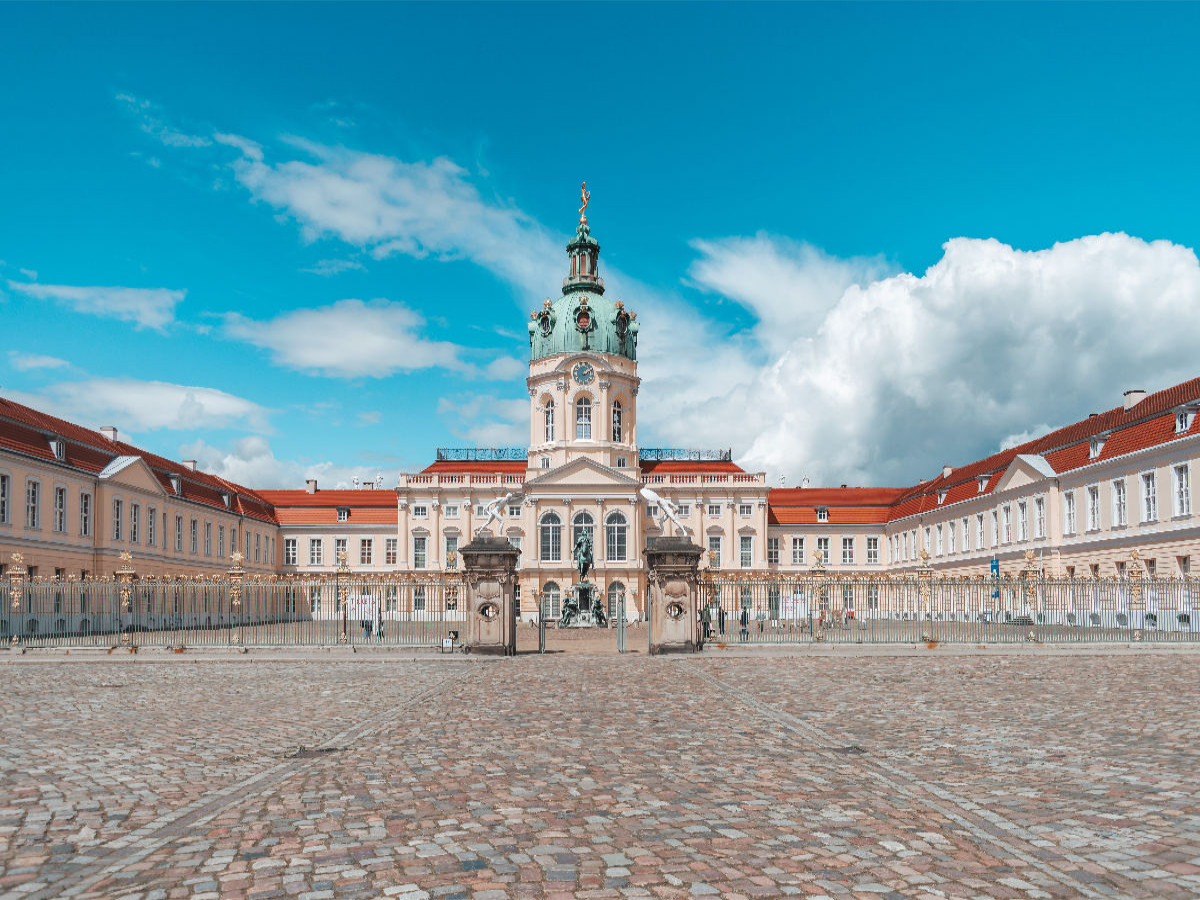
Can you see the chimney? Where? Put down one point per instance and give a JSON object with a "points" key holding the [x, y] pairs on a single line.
{"points": [[1134, 397], [311, 485], [109, 432], [843, 485], [189, 464], [946, 470]]}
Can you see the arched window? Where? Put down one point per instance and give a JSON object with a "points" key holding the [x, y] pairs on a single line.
{"points": [[615, 537], [550, 534], [614, 590], [583, 522], [552, 601], [616, 434], [548, 412], [583, 419]]}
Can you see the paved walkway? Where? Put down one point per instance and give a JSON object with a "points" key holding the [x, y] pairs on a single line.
{"points": [[587, 775]]}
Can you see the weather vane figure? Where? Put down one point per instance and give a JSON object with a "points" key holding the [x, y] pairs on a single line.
{"points": [[585, 195]]}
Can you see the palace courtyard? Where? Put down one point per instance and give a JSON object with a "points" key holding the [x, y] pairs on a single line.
{"points": [[871, 773]]}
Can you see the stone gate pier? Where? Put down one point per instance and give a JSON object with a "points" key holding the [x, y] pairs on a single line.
{"points": [[674, 581], [490, 577]]}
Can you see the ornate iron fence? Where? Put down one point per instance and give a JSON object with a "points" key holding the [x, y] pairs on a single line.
{"points": [[839, 609]]}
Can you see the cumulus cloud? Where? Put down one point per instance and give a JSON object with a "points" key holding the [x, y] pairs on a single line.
{"points": [[329, 267], [486, 420], [908, 372], [145, 307], [146, 405], [24, 362], [250, 461], [151, 121], [348, 339]]}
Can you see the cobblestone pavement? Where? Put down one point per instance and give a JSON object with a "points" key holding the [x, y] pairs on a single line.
{"points": [[587, 775]]}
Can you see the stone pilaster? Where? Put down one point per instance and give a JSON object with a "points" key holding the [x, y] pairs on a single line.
{"points": [[674, 582], [490, 577]]}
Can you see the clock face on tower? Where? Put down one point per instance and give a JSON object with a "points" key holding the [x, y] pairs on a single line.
{"points": [[584, 373]]}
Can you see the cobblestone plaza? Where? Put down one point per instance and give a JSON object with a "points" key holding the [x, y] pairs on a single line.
{"points": [[1029, 773]]}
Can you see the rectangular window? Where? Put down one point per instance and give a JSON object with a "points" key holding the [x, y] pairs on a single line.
{"points": [[823, 548], [316, 551], [980, 543], [872, 551], [314, 601], [366, 551], [179, 534], [746, 551], [1149, 497], [515, 540], [995, 529], [340, 551], [1039, 517], [772, 551], [847, 551], [221, 542], [421, 512], [60, 509], [247, 552], [941, 544], [450, 510], [652, 510], [1181, 490], [822, 514], [151, 525], [419, 598], [343, 513], [1069, 512], [583, 421], [1093, 507], [685, 509], [135, 515], [208, 538], [906, 548], [5, 488], [451, 551], [745, 509], [419, 543], [258, 548], [1006, 513], [714, 509], [391, 551], [966, 534], [195, 536], [1022, 521], [118, 508], [928, 539], [714, 551], [1120, 513], [797, 551], [950, 538], [290, 553], [33, 506]]}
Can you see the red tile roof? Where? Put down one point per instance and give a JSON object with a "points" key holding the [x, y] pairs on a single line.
{"points": [[332, 499], [846, 506], [670, 466], [475, 467]]}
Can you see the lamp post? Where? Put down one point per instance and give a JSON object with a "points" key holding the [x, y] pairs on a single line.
{"points": [[236, 580], [125, 591], [343, 592]]}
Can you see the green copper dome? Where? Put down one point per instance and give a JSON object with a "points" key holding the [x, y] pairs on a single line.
{"points": [[582, 319]]}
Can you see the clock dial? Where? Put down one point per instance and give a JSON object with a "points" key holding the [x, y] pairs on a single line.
{"points": [[584, 373]]}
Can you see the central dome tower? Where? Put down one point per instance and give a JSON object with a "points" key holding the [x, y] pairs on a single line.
{"points": [[583, 378]]}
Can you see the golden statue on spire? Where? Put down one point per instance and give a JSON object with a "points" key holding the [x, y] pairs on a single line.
{"points": [[585, 195]]}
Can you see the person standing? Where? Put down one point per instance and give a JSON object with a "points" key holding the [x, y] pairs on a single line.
{"points": [[721, 620], [744, 619], [706, 623]]}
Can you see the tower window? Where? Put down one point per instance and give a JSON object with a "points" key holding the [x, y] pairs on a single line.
{"points": [[548, 413], [616, 431], [583, 419]]}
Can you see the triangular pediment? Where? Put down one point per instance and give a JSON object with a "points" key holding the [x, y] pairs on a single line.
{"points": [[131, 472], [1025, 469], [582, 472]]}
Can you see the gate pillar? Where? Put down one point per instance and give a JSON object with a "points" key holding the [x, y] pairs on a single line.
{"points": [[674, 580], [490, 575]]}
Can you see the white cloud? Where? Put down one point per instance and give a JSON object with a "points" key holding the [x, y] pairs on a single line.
{"points": [[910, 372], [348, 339], [151, 122], [251, 462], [333, 266], [487, 421], [370, 417], [145, 405], [505, 368], [387, 206], [23, 362], [31, 274], [146, 307]]}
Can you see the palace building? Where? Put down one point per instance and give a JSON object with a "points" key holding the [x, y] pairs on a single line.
{"points": [[1081, 498]]}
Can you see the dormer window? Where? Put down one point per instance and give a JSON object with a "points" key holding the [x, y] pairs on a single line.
{"points": [[225, 499], [1095, 445], [941, 497], [175, 482], [59, 448], [343, 513], [1183, 420], [983, 480], [822, 514]]}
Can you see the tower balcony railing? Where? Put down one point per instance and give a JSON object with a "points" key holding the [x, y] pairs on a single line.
{"points": [[583, 279], [731, 478]]}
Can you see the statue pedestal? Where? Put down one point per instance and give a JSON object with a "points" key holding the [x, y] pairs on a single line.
{"points": [[674, 581], [490, 576]]}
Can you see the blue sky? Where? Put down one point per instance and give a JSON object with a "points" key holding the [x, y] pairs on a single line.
{"points": [[865, 240]]}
